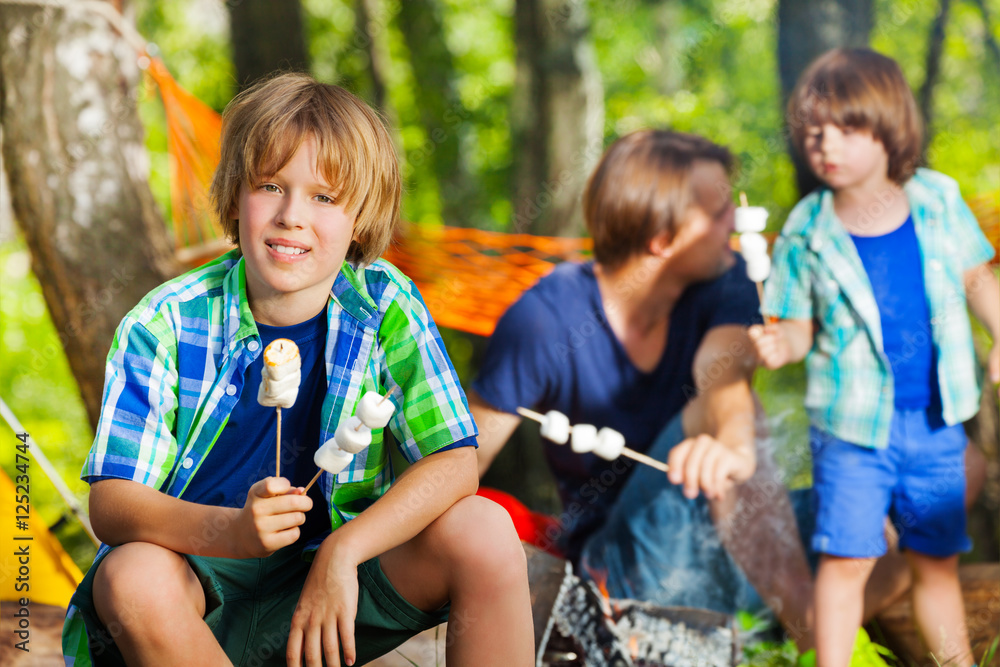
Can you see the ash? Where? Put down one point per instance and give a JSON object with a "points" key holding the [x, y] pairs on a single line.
{"points": [[592, 631]]}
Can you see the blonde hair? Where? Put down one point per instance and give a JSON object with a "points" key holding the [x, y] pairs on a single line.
{"points": [[861, 89], [641, 188], [264, 125]]}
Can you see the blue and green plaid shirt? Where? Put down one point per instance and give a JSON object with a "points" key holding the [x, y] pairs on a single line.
{"points": [[818, 275], [177, 365]]}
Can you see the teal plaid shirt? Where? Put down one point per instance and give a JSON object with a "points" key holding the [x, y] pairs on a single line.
{"points": [[819, 276]]}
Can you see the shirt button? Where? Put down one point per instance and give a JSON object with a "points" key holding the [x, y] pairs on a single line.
{"points": [[253, 345], [188, 462], [935, 265], [231, 390]]}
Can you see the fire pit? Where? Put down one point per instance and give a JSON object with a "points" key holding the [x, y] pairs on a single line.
{"points": [[576, 625]]}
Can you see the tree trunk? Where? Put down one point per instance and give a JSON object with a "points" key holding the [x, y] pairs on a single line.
{"points": [[806, 30], [557, 119], [266, 36], [74, 153], [442, 112], [371, 20], [932, 69]]}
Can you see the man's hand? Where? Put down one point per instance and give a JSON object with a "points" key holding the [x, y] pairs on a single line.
{"points": [[704, 464], [270, 518], [323, 622]]}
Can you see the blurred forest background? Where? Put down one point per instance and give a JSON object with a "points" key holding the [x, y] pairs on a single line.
{"points": [[500, 108]]}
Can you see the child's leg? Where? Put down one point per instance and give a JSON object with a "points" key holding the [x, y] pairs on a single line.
{"points": [[470, 556], [152, 603], [840, 585], [939, 608]]}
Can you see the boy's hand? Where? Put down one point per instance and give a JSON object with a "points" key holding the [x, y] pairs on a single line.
{"points": [[270, 518], [705, 464], [772, 345], [323, 622]]}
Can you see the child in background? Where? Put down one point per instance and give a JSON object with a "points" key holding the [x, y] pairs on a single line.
{"points": [[872, 275], [215, 560]]}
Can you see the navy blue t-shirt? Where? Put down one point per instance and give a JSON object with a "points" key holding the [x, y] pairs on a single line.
{"points": [[892, 262], [245, 451], [554, 350]]}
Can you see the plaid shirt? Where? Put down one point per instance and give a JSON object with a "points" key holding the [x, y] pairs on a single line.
{"points": [[177, 365], [818, 275]]}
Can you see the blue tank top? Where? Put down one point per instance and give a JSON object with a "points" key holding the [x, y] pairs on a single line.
{"points": [[895, 270]]}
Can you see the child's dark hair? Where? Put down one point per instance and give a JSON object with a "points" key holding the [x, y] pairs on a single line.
{"points": [[861, 89]]}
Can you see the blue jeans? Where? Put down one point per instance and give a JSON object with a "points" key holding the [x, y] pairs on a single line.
{"points": [[661, 547]]}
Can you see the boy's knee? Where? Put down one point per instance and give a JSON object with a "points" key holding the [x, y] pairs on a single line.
{"points": [[484, 539], [138, 581]]}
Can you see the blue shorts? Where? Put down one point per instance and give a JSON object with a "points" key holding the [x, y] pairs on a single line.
{"points": [[918, 481]]}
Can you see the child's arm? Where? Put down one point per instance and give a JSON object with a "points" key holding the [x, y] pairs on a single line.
{"points": [[125, 511], [783, 342], [982, 291], [328, 603]]}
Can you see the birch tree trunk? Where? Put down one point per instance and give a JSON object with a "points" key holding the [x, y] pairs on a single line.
{"points": [[73, 150], [557, 119]]}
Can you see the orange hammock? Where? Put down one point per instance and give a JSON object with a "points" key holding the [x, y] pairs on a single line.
{"points": [[468, 277]]}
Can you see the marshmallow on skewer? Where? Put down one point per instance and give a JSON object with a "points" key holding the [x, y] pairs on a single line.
{"points": [[280, 377], [610, 444], [352, 435], [584, 438], [332, 458], [375, 410], [555, 427], [750, 218]]}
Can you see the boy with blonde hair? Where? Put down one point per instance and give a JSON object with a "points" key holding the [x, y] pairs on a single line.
{"points": [[871, 279], [210, 557]]}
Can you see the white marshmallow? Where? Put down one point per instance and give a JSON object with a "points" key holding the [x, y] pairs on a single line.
{"points": [[759, 269], [555, 427], [352, 435], [750, 219], [332, 458], [282, 400], [375, 410], [584, 438], [281, 374], [752, 245], [610, 444]]}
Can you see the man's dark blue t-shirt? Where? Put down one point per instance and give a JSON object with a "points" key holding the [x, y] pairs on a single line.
{"points": [[554, 350]]}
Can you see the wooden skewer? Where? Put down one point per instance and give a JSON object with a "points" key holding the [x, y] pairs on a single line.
{"points": [[277, 455], [743, 199], [630, 453], [312, 481]]}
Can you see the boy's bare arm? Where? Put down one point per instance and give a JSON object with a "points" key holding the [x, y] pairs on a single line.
{"points": [[125, 511], [719, 421], [495, 428], [983, 294]]}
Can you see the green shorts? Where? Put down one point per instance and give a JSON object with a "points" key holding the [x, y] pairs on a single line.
{"points": [[249, 605]]}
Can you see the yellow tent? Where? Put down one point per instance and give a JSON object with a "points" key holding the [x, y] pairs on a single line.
{"points": [[34, 564]]}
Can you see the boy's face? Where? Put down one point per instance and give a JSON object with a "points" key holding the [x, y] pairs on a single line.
{"points": [[845, 157], [701, 245], [294, 237]]}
